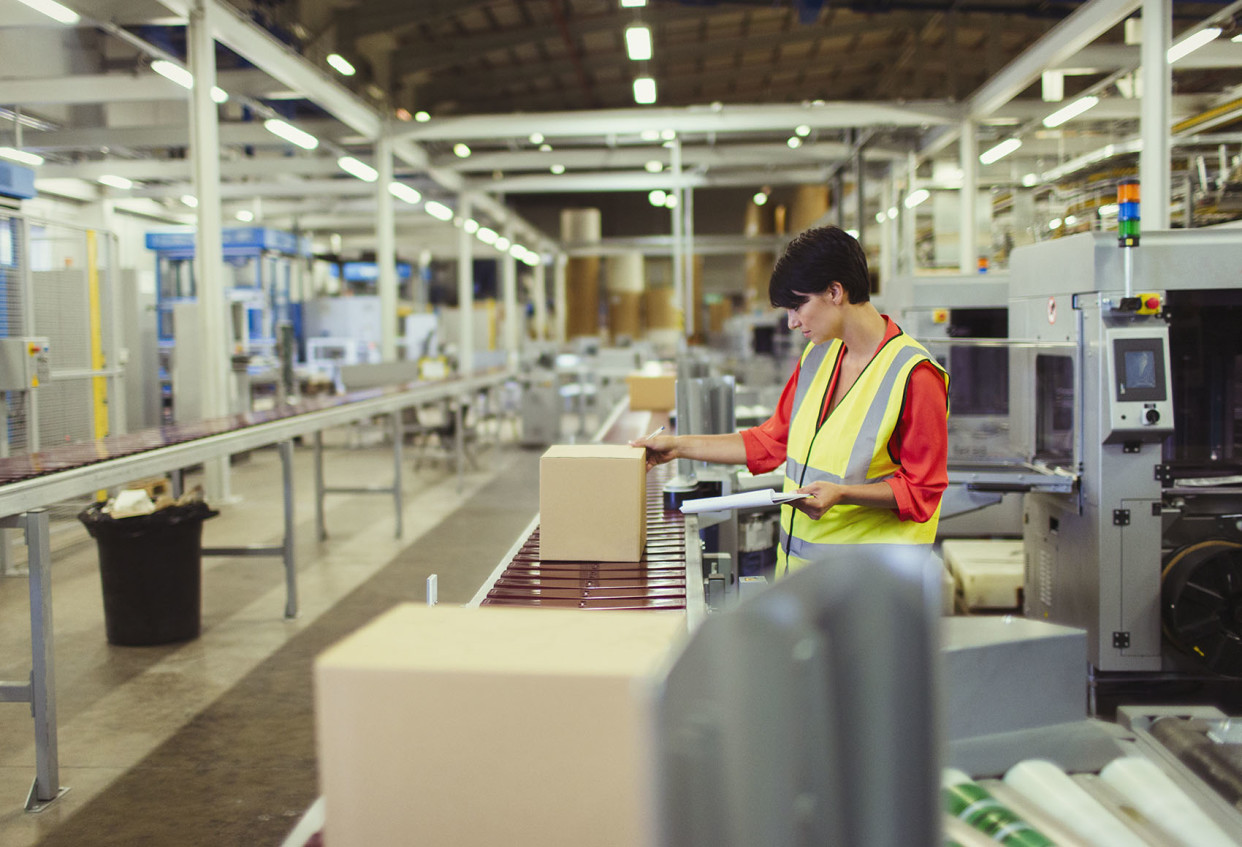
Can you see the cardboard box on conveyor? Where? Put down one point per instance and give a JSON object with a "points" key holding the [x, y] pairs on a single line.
{"points": [[652, 392], [592, 503]]}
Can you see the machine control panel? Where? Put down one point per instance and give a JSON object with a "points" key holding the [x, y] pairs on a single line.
{"points": [[23, 363], [1139, 393]]}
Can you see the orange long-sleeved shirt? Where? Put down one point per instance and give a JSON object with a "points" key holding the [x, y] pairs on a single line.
{"points": [[920, 444]]}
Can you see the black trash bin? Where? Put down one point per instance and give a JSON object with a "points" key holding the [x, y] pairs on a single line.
{"points": [[151, 570]]}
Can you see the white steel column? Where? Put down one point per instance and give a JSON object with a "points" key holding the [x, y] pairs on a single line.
{"points": [[209, 238], [968, 249], [561, 298], [386, 248], [679, 248], [908, 218], [465, 292], [1155, 192], [508, 281], [686, 204], [888, 234], [539, 294]]}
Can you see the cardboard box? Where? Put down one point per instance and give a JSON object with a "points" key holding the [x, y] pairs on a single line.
{"points": [[441, 725], [652, 392], [989, 573], [593, 503]]}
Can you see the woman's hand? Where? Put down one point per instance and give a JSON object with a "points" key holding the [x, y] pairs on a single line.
{"points": [[660, 449], [824, 495]]}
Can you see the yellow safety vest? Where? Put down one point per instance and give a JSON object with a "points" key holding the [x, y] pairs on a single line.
{"points": [[851, 448]]}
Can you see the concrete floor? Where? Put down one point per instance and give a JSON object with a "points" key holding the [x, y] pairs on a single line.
{"points": [[211, 742]]}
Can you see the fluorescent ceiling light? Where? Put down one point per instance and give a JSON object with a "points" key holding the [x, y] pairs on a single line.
{"points": [[422, 117], [852, 233], [1191, 43], [244, 215], [461, 151], [892, 213], [668, 134], [633, 4], [116, 181], [403, 192], [657, 197], [1070, 220], [916, 197], [531, 259], [219, 95], [1000, 151], [517, 251], [536, 138], [802, 131], [880, 217], [503, 244], [644, 91], [360, 169], [760, 198], [650, 135], [1055, 223], [653, 167], [190, 200], [470, 225], [487, 235], [794, 142], [1237, 39], [670, 201], [545, 148], [1071, 111], [174, 72], [557, 169], [15, 155], [438, 210], [638, 43], [340, 64], [291, 133], [1029, 180], [55, 11], [1109, 210]]}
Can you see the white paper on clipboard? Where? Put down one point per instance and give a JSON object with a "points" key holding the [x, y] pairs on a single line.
{"points": [[742, 500]]}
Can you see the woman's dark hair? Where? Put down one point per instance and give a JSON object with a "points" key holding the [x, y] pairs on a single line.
{"points": [[814, 260]]}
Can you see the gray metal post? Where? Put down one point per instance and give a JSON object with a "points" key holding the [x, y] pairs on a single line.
{"points": [[291, 568], [321, 528], [43, 673], [459, 419], [397, 435], [177, 481]]}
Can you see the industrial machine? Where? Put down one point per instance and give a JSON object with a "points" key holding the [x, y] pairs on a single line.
{"points": [[1128, 378]]}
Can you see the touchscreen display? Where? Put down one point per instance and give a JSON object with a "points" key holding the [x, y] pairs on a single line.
{"points": [[1139, 365], [1140, 368]]}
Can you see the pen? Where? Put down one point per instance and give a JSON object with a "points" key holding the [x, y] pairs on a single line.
{"points": [[654, 434]]}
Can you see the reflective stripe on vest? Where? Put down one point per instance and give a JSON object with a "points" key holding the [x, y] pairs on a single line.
{"points": [[851, 448]]}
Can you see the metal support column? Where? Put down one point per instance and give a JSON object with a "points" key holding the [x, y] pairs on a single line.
{"points": [[465, 292], [398, 436], [686, 204], [386, 248], [321, 528], [561, 298], [40, 692], [679, 247], [287, 555], [860, 192], [968, 248], [508, 274], [540, 295], [1157, 78]]}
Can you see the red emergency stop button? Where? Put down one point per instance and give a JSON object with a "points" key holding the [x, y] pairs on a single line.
{"points": [[1152, 302]]}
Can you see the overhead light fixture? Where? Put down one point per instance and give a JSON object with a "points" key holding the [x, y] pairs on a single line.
{"points": [[190, 200], [892, 213], [653, 167], [1055, 223], [916, 197], [760, 198], [794, 142], [461, 151], [1070, 220], [116, 181], [852, 233], [244, 215], [1029, 180], [517, 251], [802, 131], [403, 192], [487, 235], [219, 95], [21, 156], [644, 91], [536, 138], [291, 133], [438, 210], [638, 43], [1000, 151], [557, 169], [55, 11], [1109, 210], [633, 4], [422, 117], [670, 201], [403, 114], [668, 134], [1191, 43], [358, 168], [657, 196], [545, 148], [531, 259], [1071, 111], [650, 135], [174, 72], [1237, 39], [880, 217], [341, 65], [470, 225], [502, 244]]}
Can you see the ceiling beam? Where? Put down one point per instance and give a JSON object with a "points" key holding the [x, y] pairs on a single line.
{"points": [[249, 133], [95, 88]]}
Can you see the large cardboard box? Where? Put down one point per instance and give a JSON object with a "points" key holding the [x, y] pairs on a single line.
{"points": [[593, 503], [652, 392], [441, 725]]}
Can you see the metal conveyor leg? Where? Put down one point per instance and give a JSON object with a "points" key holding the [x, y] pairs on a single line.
{"points": [[291, 569], [397, 436], [321, 528]]}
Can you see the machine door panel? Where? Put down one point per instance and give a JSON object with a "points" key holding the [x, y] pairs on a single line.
{"points": [[1138, 633]]}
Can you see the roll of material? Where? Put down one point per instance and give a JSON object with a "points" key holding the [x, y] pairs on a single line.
{"points": [[1052, 790], [967, 801], [1166, 805], [958, 833], [1207, 759]]}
